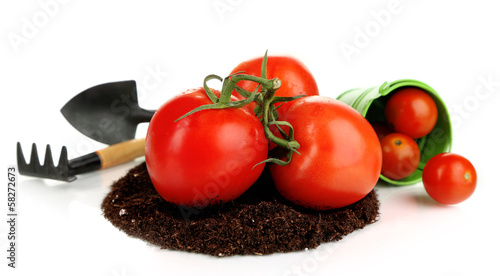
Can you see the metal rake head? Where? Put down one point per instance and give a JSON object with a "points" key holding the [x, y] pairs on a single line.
{"points": [[48, 169]]}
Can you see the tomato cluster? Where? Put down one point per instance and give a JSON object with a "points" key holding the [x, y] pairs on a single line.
{"points": [[215, 153], [205, 146]]}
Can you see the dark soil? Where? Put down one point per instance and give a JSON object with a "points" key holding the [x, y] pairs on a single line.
{"points": [[258, 222]]}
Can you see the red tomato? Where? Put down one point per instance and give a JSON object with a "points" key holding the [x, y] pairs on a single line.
{"points": [[204, 158], [411, 111], [340, 155], [449, 178], [381, 129], [295, 78], [400, 155]]}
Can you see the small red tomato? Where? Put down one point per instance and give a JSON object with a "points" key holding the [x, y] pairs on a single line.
{"points": [[295, 78], [411, 111], [400, 156], [449, 178], [381, 129]]}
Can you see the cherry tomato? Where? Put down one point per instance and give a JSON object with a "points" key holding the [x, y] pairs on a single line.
{"points": [[206, 157], [449, 178], [340, 155], [411, 111], [381, 129], [294, 75], [400, 155]]}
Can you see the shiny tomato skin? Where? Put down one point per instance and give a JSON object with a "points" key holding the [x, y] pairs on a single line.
{"points": [[411, 111], [295, 78], [449, 178], [400, 156], [207, 157], [340, 155]]}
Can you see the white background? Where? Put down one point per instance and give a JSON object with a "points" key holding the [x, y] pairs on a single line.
{"points": [[51, 51]]}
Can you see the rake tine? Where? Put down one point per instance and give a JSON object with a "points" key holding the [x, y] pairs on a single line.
{"points": [[63, 158], [49, 168], [48, 162], [63, 165], [34, 158], [21, 162]]}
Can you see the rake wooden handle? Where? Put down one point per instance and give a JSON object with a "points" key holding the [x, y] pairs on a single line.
{"points": [[121, 152]]}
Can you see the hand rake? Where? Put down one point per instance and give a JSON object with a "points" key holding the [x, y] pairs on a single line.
{"points": [[66, 170]]}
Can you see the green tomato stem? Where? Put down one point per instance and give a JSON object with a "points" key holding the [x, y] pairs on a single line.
{"points": [[266, 108], [227, 90]]}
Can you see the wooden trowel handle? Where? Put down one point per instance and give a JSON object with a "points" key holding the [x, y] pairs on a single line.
{"points": [[121, 152]]}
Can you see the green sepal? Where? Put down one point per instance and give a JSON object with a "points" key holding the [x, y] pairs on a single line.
{"points": [[238, 104], [286, 99], [277, 161], [263, 67], [208, 91], [242, 91], [202, 107]]}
